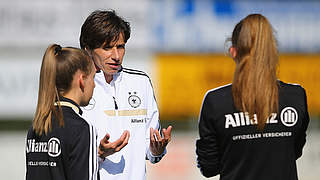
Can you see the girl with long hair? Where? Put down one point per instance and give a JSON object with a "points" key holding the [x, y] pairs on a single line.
{"points": [[254, 128], [61, 144]]}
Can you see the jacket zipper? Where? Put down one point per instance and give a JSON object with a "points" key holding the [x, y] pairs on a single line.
{"points": [[115, 103]]}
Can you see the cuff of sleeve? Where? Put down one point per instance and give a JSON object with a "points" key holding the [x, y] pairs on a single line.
{"points": [[100, 160], [155, 159]]}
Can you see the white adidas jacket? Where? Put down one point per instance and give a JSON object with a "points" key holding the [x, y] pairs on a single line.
{"points": [[127, 103]]}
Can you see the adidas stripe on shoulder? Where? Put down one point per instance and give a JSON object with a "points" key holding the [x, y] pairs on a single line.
{"points": [[133, 71]]}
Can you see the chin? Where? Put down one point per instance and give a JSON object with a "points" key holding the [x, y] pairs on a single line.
{"points": [[114, 71], [110, 72], [84, 103]]}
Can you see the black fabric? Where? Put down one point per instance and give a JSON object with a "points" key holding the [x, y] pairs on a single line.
{"points": [[73, 142], [72, 102], [235, 149]]}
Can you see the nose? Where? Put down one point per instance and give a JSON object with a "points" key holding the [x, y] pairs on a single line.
{"points": [[115, 54]]}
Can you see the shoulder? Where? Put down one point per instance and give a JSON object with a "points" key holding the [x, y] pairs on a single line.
{"points": [[292, 94], [134, 77], [290, 88], [73, 121], [217, 96], [134, 73], [76, 129], [31, 133], [220, 91]]}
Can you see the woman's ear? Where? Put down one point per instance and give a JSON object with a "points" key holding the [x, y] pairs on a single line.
{"points": [[233, 52], [81, 82], [97, 60]]}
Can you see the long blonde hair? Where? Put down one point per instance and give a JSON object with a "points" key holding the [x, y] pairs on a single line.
{"points": [[255, 85], [56, 75]]}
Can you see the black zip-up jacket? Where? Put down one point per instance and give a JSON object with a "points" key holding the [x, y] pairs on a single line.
{"points": [[67, 152], [231, 146]]}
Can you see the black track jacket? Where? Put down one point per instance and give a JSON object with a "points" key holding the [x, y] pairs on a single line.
{"points": [[231, 146], [67, 152]]}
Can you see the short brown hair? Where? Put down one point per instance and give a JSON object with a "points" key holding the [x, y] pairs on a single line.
{"points": [[103, 27]]}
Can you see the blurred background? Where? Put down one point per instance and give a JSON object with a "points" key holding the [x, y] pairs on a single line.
{"points": [[179, 43]]}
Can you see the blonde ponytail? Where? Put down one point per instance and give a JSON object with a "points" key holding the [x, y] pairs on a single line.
{"points": [[47, 92], [255, 86]]}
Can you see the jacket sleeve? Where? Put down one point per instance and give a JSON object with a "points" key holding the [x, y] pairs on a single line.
{"points": [[90, 114], [152, 122], [207, 149], [301, 136], [82, 158]]}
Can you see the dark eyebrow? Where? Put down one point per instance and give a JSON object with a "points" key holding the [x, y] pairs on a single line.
{"points": [[121, 45], [109, 46], [106, 47]]}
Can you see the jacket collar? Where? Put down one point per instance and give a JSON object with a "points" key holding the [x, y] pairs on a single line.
{"points": [[116, 77], [69, 103]]}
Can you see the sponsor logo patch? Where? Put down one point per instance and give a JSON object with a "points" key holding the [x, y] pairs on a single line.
{"points": [[143, 120], [52, 147], [289, 116]]}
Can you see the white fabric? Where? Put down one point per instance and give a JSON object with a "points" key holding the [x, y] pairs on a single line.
{"points": [[127, 87]]}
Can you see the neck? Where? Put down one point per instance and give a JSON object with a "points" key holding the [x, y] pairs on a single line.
{"points": [[73, 96], [108, 78]]}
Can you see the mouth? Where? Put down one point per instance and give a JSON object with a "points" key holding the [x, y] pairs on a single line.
{"points": [[114, 65]]}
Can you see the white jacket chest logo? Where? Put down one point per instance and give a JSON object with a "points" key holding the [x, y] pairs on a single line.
{"points": [[134, 100]]}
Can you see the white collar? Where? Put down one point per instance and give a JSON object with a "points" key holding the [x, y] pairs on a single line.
{"points": [[68, 104]]}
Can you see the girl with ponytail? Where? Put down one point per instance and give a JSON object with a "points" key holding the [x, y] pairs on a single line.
{"points": [[254, 128], [255, 85], [61, 144]]}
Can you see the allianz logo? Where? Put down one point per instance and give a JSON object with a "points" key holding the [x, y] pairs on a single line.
{"points": [[52, 147], [288, 117], [134, 120]]}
